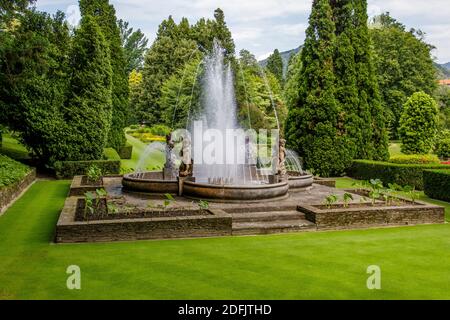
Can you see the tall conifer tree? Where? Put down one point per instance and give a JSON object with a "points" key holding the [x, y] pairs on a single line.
{"points": [[88, 108], [105, 16], [275, 65], [312, 127]]}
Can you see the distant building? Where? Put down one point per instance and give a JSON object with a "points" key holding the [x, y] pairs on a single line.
{"points": [[445, 82]]}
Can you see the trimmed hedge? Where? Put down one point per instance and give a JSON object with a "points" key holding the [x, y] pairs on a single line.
{"points": [[415, 159], [402, 174], [437, 184], [69, 169], [126, 152], [111, 154], [11, 171]]}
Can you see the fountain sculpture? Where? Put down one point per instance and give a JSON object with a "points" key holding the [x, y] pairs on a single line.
{"points": [[250, 180]]}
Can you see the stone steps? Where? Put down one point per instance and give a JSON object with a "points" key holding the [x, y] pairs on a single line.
{"points": [[268, 216], [270, 227]]}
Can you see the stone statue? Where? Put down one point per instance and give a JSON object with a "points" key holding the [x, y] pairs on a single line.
{"points": [[170, 170], [187, 167], [281, 169]]}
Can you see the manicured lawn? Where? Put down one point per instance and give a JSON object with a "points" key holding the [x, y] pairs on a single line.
{"points": [[13, 149], [154, 159], [322, 265]]}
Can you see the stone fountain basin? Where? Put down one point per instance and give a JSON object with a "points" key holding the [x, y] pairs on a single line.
{"points": [[235, 193], [298, 181], [149, 182]]}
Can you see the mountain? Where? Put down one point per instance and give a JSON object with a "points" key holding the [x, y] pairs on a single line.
{"points": [[443, 70], [286, 56]]}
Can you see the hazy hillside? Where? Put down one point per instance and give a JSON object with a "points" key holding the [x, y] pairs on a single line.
{"points": [[443, 70], [286, 55]]}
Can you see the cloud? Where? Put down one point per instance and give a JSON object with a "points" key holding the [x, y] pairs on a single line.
{"points": [[263, 25]]}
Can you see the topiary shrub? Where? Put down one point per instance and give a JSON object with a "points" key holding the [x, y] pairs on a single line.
{"points": [[418, 124], [443, 145], [126, 152], [69, 169], [415, 159], [160, 130], [437, 184], [402, 174]]}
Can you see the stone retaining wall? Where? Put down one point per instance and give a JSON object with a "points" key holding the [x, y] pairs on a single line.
{"points": [[366, 217], [10, 193], [68, 230]]}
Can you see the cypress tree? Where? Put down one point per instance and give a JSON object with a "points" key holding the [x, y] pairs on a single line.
{"points": [[223, 34], [105, 16], [312, 127], [88, 107], [375, 139], [275, 65]]}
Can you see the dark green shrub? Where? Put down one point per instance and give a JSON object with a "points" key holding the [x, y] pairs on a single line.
{"points": [[160, 130], [11, 171], [69, 169], [402, 174], [418, 124], [415, 159], [437, 184], [126, 152], [443, 145]]}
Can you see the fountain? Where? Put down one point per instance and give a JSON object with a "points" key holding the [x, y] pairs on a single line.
{"points": [[236, 171]]}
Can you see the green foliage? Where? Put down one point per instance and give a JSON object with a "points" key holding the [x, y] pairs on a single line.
{"points": [[257, 94], [437, 184], [275, 65], [134, 44], [126, 152], [94, 173], [203, 205], [401, 174], [180, 98], [105, 16], [330, 200], [336, 114], [443, 144], [88, 110], [418, 124], [34, 82], [11, 171], [442, 96], [69, 169], [348, 197], [415, 159], [111, 154], [404, 63]]}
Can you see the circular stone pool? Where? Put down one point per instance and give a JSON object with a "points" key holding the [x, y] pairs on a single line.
{"points": [[298, 181], [235, 193], [149, 182]]}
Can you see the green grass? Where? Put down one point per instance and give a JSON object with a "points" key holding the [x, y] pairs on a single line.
{"points": [[153, 160], [347, 183], [321, 265], [395, 148], [12, 148]]}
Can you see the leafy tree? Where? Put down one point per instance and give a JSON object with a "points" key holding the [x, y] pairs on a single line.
{"points": [[418, 124], [312, 126], [222, 33], [33, 82], [275, 65], [88, 110], [134, 44], [135, 83], [168, 54], [257, 94], [291, 89], [404, 63], [443, 144], [105, 16], [442, 95], [180, 98]]}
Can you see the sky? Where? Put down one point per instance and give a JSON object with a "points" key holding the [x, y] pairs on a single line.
{"points": [[261, 26]]}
